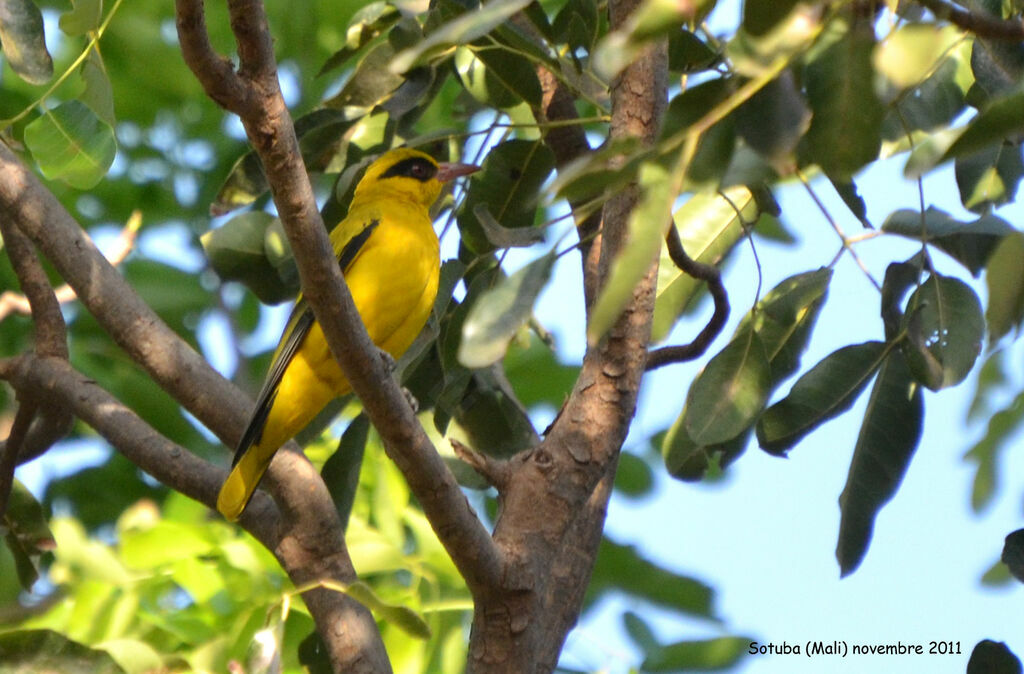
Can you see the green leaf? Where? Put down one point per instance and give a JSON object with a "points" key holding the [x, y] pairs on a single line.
{"points": [[498, 313], [687, 53], [969, 243], [710, 225], [621, 568], [512, 71], [760, 16], [1004, 279], [341, 470], [934, 103], [1013, 554], [989, 178], [910, 53], [774, 119], [27, 533], [48, 651], [401, 617], [699, 655], [165, 542], [366, 24], [536, 375], [985, 453], [71, 143], [1001, 121], [945, 328], [827, 390], [845, 130], [993, 657], [370, 83], [21, 36], [98, 94], [236, 252], [508, 186], [85, 15], [633, 477], [687, 461], [463, 29], [784, 318], [577, 24], [851, 197], [650, 20], [647, 224], [726, 398], [717, 144], [997, 67], [888, 437]]}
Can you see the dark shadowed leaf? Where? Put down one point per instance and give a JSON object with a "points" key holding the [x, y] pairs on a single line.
{"points": [[845, 131], [341, 470], [688, 53], [760, 16], [969, 243], [621, 568], [827, 390], [577, 24], [71, 143], [498, 313], [888, 437], [1004, 278], [773, 120], [934, 103], [993, 657], [1013, 554], [998, 122], [21, 36], [501, 236], [716, 145], [989, 178], [49, 651], [851, 197], [725, 399], [997, 67], [945, 328], [27, 533], [687, 461], [236, 252], [508, 186]]}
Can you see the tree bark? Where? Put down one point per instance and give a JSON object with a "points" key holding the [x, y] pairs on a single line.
{"points": [[554, 498]]}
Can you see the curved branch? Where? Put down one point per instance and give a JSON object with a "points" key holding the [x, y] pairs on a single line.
{"points": [[713, 277], [270, 130], [982, 25]]}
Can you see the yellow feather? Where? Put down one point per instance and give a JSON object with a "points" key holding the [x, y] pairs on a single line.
{"points": [[392, 275]]}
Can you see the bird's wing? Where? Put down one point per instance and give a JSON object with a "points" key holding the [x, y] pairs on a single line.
{"points": [[299, 323]]}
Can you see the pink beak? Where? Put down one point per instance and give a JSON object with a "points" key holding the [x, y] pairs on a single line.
{"points": [[446, 172]]}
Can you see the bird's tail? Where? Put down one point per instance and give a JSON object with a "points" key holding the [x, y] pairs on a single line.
{"points": [[238, 489]]}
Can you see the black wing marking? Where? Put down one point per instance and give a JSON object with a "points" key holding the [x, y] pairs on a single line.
{"points": [[298, 326], [355, 244], [299, 323]]}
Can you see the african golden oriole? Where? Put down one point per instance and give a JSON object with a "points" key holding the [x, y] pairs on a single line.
{"points": [[389, 254]]}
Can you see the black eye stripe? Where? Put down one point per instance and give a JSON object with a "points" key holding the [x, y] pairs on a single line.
{"points": [[414, 167]]}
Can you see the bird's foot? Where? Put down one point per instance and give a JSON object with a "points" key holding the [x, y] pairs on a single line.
{"points": [[411, 399], [387, 359]]}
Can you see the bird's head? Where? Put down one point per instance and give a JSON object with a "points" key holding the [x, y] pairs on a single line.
{"points": [[409, 173]]}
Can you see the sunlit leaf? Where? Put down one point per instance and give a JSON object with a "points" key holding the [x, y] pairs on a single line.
{"points": [[827, 390], [725, 399], [21, 36], [71, 143], [1004, 278], [85, 15], [498, 313], [647, 224], [910, 53], [989, 178], [985, 453], [365, 25], [98, 93], [888, 437], [650, 20]]}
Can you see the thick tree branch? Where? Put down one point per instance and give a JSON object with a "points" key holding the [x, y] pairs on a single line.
{"points": [[713, 277], [269, 127], [980, 24], [311, 546]]}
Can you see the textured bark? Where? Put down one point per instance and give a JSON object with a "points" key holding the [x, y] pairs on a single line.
{"points": [[554, 498]]}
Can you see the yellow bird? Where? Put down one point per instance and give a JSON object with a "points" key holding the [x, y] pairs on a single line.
{"points": [[389, 254]]}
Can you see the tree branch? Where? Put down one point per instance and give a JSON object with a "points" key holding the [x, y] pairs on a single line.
{"points": [[713, 277], [270, 130], [310, 539], [981, 24], [50, 340]]}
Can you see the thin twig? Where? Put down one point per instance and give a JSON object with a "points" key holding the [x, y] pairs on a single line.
{"points": [[980, 24], [711, 275]]}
